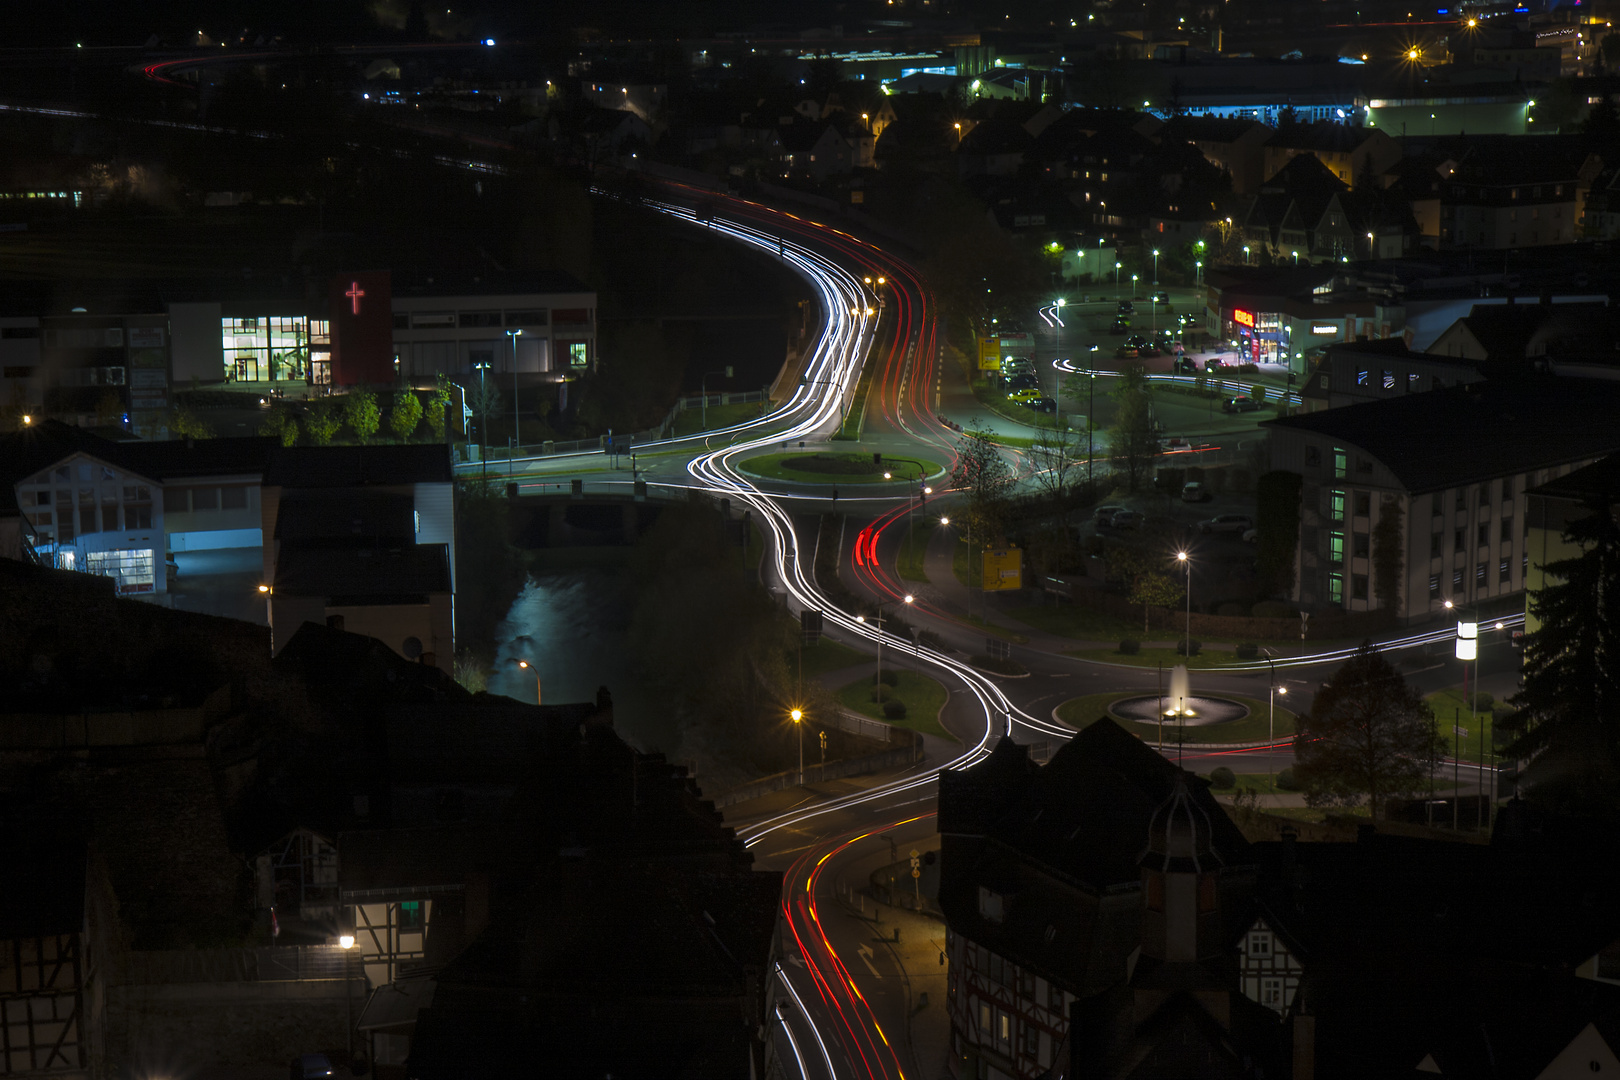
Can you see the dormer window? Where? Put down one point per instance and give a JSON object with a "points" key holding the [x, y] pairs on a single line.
{"points": [[991, 905], [1259, 944]]}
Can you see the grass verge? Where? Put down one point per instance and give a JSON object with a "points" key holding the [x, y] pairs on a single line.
{"points": [[1465, 736], [923, 697], [824, 656], [913, 551], [1073, 621], [691, 421], [1255, 727], [837, 468]]}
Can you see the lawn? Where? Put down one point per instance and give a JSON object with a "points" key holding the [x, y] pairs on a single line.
{"points": [[913, 549], [1152, 658], [923, 696], [824, 656], [691, 421], [1451, 710], [1081, 711], [838, 468], [1073, 621]]}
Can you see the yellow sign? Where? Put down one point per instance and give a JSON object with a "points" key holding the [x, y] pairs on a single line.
{"points": [[1003, 569], [989, 354]]}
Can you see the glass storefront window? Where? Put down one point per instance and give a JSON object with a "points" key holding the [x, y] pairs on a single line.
{"points": [[132, 569]]}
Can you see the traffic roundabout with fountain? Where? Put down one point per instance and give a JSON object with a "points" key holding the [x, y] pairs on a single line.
{"points": [[1179, 715]]}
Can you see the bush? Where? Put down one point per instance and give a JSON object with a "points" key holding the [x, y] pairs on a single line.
{"points": [[894, 710], [1231, 609], [888, 676], [881, 693], [1483, 702], [1130, 647], [1285, 780], [1274, 609], [1222, 778], [1248, 367], [1188, 648], [1248, 651], [1258, 392]]}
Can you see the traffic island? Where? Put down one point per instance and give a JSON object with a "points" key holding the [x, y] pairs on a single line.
{"points": [[1253, 728], [916, 698], [838, 467]]}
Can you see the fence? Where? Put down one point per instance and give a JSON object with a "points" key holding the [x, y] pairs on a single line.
{"points": [[291, 963], [856, 724]]}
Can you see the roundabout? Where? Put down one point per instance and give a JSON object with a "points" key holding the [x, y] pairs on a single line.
{"points": [[840, 467], [1242, 720], [1188, 711]]}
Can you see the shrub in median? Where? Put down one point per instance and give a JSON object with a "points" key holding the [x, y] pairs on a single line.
{"points": [[888, 676], [1248, 651], [1130, 647], [1188, 648], [894, 710], [881, 693], [1222, 778], [1483, 702], [1230, 609], [1285, 781]]}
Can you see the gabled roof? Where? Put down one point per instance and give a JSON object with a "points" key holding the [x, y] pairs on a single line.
{"points": [[359, 466], [1432, 441], [1323, 136], [997, 136], [39, 446]]}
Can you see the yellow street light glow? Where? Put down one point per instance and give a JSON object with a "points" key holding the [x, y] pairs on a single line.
{"points": [[345, 941], [910, 598], [1411, 54], [264, 588], [944, 521], [1181, 556], [797, 714], [523, 663], [27, 419]]}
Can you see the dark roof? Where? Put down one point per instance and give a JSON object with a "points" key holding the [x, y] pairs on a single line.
{"points": [[1464, 434], [441, 282], [408, 574], [322, 515], [997, 136], [45, 894], [1600, 479], [42, 445], [1334, 138], [359, 466], [1213, 129], [1510, 332]]}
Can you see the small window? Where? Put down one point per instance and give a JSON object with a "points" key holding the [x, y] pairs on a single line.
{"points": [[1360, 545], [1507, 530], [1336, 547], [1458, 542], [990, 905], [1340, 460], [1363, 504], [1434, 586], [1259, 943], [1313, 456], [1456, 582], [1336, 506], [1335, 588], [1358, 587], [1054, 996], [578, 355], [176, 500], [535, 317], [1032, 1039], [1479, 574], [1208, 892], [1434, 545], [402, 320], [1155, 892], [1483, 532], [1504, 572], [410, 915], [205, 498], [478, 319], [1271, 993]]}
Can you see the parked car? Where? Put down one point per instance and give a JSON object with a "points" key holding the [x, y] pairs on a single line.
{"points": [[1136, 339], [1186, 365], [1024, 380], [1125, 351], [1239, 405], [1148, 350], [1194, 491], [1125, 307], [1017, 365], [1161, 297], [1251, 536], [1042, 404], [1227, 523], [1121, 326], [1128, 519], [1025, 395], [1104, 515]]}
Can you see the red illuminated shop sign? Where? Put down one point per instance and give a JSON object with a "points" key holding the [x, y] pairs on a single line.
{"points": [[1243, 318]]}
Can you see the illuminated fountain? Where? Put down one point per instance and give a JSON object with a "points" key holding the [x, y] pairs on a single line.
{"points": [[1179, 705]]}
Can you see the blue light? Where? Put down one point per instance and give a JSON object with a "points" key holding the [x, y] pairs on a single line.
{"points": [[1442, 11], [489, 41]]}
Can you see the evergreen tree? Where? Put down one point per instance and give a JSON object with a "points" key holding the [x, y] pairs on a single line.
{"points": [[1368, 734], [1567, 717]]}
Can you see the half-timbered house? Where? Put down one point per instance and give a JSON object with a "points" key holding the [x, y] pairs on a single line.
{"points": [[1271, 966]]}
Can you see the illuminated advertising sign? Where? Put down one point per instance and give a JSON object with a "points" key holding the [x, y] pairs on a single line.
{"points": [[1324, 328], [1243, 318]]}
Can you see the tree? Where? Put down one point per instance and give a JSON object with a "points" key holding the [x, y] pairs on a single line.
{"points": [[1053, 458], [361, 413], [406, 414], [187, 424], [484, 399], [985, 477], [1368, 734], [1131, 439], [438, 407], [322, 423], [109, 407], [1567, 717], [1389, 555], [1154, 589]]}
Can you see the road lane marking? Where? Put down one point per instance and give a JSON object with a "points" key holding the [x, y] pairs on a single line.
{"points": [[865, 952]]}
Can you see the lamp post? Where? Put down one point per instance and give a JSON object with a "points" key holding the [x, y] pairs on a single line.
{"points": [[1245, 254], [483, 431], [1091, 424], [517, 440], [1181, 557], [1117, 265], [1155, 268], [798, 722], [1271, 726], [1134, 279], [908, 598], [524, 664]]}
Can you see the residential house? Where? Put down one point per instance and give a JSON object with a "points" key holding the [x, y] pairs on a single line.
{"points": [[1507, 336], [1353, 154], [1354, 372], [1513, 193], [816, 148], [1305, 212], [1233, 144], [995, 147], [1456, 464]]}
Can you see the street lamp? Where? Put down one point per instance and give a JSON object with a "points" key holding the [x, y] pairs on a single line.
{"points": [[798, 722], [1117, 265], [862, 618], [1134, 279], [1272, 724], [524, 664], [1245, 254], [1181, 557], [517, 440], [1155, 268], [483, 401]]}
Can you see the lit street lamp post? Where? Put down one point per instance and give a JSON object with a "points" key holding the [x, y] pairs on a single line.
{"points": [[524, 664], [1181, 557], [862, 618], [798, 722], [483, 420], [517, 440], [1272, 726]]}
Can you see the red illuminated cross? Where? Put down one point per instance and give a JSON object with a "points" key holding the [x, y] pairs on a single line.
{"points": [[354, 294]]}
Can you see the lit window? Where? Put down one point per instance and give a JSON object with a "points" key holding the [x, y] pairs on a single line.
{"points": [[1336, 547], [1335, 588], [1339, 462], [990, 904], [1336, 505]]}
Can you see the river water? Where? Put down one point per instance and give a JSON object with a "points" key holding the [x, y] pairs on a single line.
{"points": [[571, 624]]}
